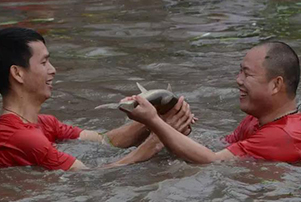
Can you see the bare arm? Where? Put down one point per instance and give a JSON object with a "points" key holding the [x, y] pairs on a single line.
{"points": [[78, 165], [145, 151], [151, 146], [176, 142], [124, 136], [134, 133], [179, 117], [183, 146]]}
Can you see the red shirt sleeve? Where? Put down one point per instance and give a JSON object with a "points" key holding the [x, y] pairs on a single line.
{"points": [[31, 147], [270, 143], [56, 130]]}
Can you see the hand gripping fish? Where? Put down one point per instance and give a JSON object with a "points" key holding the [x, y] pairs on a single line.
{"points": [[163, 100]]}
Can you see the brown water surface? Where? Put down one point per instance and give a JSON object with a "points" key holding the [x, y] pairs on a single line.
{"points": [[102, 48]]}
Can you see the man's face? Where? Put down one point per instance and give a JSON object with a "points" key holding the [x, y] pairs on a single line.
{"points": [[255, 90], [38, 77]]}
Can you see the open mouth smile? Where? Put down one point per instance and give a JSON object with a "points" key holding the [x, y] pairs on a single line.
{"points": [[49, 83], [242, 93]]}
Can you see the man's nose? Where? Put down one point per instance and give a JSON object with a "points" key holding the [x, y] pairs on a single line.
{"points": [[239, 78], [52, 69]]}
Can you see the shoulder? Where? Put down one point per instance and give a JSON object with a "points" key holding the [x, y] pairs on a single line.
{"points": [[55, 129], [289, 126], [291, 123], [46, 118], [272, 136], [11, 120], [248, 121], [12, 128]]}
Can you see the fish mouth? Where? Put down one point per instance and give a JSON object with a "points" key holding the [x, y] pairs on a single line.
{"points": [[128, 106]]}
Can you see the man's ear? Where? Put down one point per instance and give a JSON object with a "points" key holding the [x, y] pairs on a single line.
{"points": [[17, 73], [277, 84]]}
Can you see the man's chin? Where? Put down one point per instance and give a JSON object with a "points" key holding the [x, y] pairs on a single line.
{"points": [[243, 108], [47, 96]]}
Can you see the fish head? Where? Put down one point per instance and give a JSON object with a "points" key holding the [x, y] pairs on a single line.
{"points": [[128, 105]]}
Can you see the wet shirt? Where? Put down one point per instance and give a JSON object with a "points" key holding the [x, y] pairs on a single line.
{"points": [[23, 144], [276, 141]]}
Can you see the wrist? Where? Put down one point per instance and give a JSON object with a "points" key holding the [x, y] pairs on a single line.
{"points": [[154, 121], [155, 118]]}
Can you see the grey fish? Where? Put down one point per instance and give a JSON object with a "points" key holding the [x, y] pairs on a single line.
{"points": [[163, 100]]}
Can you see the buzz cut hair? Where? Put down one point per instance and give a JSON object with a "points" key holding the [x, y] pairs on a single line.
{"points": [[282, 60]]}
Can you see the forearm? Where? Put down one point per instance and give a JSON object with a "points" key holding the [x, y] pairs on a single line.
{"points": [[124, 136], [91, 136], [151, 146], [181, 145], [128, 135]]}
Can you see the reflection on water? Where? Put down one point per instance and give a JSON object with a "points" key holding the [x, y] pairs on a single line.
{"points": [[101, 48]]}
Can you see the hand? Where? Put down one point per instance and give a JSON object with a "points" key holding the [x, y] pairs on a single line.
{"points": [[180, 117], [151, 146], [144, 112]]}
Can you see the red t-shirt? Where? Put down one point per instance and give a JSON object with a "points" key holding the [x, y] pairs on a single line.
{"points": [[276, 141], [23, 144]]}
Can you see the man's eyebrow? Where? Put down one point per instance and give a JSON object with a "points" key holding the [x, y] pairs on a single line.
{"points": [[46, 56]]}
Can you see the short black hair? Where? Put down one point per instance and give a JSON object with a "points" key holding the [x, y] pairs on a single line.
{"points": [[14, 50], [282, 60]]}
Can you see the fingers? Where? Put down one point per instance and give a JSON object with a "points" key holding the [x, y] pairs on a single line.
{"points": [[194, 119], [187, 130], [185, 123], [175, 109], [142, 101], [185, 110], [179, 104], [183, 114], [127, 99]]}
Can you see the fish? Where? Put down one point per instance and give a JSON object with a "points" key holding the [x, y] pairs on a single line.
{"points": [[162, 99]]}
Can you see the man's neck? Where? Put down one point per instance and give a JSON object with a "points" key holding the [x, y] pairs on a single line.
{"points": [[279, 112], [24, 108]]}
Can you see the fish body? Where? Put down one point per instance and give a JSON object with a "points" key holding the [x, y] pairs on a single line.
{"points": [[163, 100]]}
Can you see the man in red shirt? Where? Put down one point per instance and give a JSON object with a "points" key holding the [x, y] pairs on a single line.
{"points": [[267, 81], [27, 138]]}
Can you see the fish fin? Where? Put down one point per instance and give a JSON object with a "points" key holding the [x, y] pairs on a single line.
{"points": [[107, 106], [141, 88], [169, 87]]}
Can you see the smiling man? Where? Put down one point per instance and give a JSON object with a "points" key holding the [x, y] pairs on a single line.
{"points": [[267, 81], [27, 138]]}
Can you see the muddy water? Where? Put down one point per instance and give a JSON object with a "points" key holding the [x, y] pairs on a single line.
{"points": [[102, 48]]}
